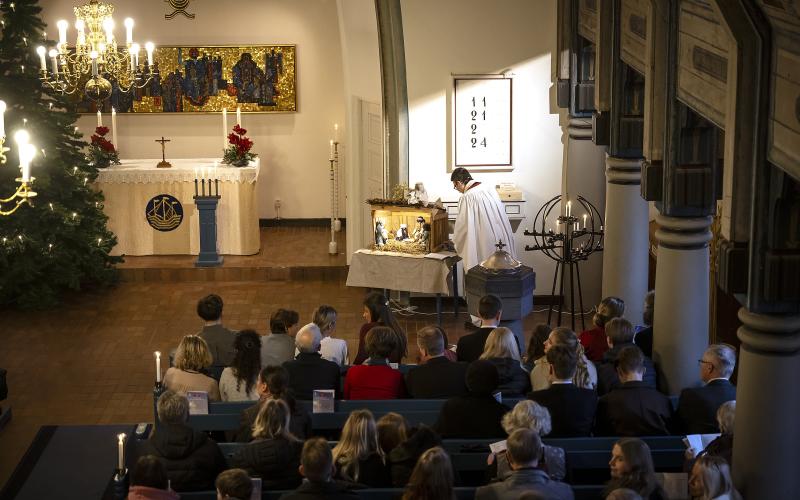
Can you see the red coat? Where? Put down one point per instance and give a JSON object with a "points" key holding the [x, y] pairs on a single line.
{"points": [[374, 382], [594, 343]]}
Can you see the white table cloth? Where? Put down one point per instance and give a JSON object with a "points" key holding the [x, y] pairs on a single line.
{"points": [[401, 271], [130, 186]]}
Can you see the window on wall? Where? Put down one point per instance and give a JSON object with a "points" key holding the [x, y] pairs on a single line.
{"points": [[482, 122]]}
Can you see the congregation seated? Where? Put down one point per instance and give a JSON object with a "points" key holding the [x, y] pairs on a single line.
{"points": [[358, 456], [697, 406], [534, 417], [238, 381], [392, 431], [619, 334], [432, 477], [471, 346], [378, 313], [403, 457], [501, 350], [721, 446], [436, 376], [632, 468], [234, 484], [711, 479], [375, 379], [644, 337], [633, 408], [524, 449], [273, 383], [278, 346], [476, 414], [594, 339], [585, 373], [330, 348], [191, 359], [309, 371], [149, 481], [274, 453], [572, 409], [192, 459], [535, 350], [219, 339], [317, 469]]}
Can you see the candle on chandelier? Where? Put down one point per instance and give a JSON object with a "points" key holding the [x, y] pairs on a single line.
{"points": [[26, 154], [569, 208], [149, 48], [584, 222], [158, 366], [121, 452], [54, 58], [239, 115], [2, 118], [62, 32], [99, 119], [224, 129], [108, 27], [135, 48], [128, 30], [42, 61], [93, 56], [80, 25], [114, 127]]}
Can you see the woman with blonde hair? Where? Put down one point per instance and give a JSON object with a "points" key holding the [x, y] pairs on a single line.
{"points": [[585, 375], [711, 480], [432, 478], [330, 348], [191, 358], [358, 456], [594, 340], [501, 350]]}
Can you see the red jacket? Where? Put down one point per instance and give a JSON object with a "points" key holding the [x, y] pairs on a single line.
{"points": [[374, 382], [594, 343]]}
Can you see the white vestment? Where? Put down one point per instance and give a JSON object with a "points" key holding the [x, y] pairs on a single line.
{"points": [[480, 224]]}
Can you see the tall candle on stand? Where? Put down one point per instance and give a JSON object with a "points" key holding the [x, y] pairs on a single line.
{"points": [[99, 119], [158, 353], [331, 153], [121, 452], [335, 132], [224, 129], [195, 182], [238, 116], [114, 127]]}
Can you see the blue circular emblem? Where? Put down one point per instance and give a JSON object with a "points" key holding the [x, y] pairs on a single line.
{"points": [[164, 212]]}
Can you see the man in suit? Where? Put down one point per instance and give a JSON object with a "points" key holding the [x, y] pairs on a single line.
{"points": [[435, 376], [571, 408], [619, 334], [470, 347], [697, 406], [316, 466], [633, 408], [524, 447], [308, 371], [219, 339], [477, 414]]}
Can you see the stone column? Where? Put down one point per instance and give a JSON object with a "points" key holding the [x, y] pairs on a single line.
{"points": [[681, 306], [626, 242], [766, 447]]}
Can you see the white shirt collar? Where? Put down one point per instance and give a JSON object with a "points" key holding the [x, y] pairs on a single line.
{"points": [[554, 382], [718, 378]]}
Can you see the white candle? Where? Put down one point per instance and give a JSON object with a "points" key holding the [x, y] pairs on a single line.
{"points": [[331, 153], [128, 30], [114, 127], [135, 48], [335, 132], [108, 27], [2, 118], [584, 221], [99, 119], [93, 57], [569, 208], [149, 48], [132, 63], [238, 116], [26, 154], [42, 61], [158, 359], [62, 32], [80, 25], [224, 129], [54, 58], [121, 452]]}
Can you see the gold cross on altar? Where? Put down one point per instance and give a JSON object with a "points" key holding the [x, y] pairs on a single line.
{"points": [[163, 163]]}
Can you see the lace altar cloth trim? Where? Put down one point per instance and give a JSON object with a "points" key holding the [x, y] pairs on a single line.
{"points": [[182, 170]]}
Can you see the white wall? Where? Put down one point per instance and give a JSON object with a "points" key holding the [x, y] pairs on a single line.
{"points": [[473, 36], [293, 147]]}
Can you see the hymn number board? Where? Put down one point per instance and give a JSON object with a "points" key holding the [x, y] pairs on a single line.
{"points": [[482, 122]]}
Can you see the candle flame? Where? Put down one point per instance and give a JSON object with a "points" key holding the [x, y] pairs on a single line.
{"points": [[121, 438], [158, 354]]}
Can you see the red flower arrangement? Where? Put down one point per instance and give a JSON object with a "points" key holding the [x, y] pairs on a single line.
{"points": [[238, 153], [102, 152]]}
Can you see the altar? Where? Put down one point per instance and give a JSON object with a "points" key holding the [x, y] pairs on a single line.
{"points": [[151, 210]]}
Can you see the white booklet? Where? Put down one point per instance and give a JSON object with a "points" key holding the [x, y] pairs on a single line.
{"points": [[698, 442], [498, 447], [198, 402], [323, 401], [256, 494]]}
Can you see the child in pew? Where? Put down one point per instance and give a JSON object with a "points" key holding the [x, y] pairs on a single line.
{"points": [[149, 481], [316, 466], [632, 467], [234, 484], [432, 477]]}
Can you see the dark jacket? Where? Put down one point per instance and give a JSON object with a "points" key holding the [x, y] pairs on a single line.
{"points": [[644, 339], [470, 347], [308, 371], [372, 472], [330, 490], [220, 343], [697, 406], [191, 458], [437, 378], [572, 409], [299, 424], [607, 377], [526, 480], [471, 416], [721, 447], [634, 409], [275, 461], [404, 457], [515, 382]]}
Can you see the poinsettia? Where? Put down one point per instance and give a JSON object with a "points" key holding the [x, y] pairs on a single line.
{"points": [[102, 152], [238, 152]]}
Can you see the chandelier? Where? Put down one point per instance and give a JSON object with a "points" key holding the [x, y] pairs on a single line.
{"points": [[26, 152], [95, 55]]}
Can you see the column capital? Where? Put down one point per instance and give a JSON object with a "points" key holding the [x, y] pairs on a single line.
{"points": [[580, 128], [623, 170], [774, 333], [684, 233]]}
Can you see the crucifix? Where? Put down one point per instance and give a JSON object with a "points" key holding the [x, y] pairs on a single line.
{"points": [[163, 163]]}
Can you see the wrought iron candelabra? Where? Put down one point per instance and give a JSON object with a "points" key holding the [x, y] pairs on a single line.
{"points": [[568, 240]]}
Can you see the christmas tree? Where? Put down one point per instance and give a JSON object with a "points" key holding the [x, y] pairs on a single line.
{"points": [[60, 243]]}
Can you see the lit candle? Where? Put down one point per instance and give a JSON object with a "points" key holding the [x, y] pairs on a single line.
{"points": [[135, 48], [331, 153], [158, 360], [26, 154], [93, 56], [42, 61], [80, 25], [114, 127], [335, 132], [108, 27], [99, 119], [2, 118], [584, 221], [128, 30], [238, 116], [149, 48], [54, 58], [224, 129], [569, 208], [121, 452], [62, 32]]}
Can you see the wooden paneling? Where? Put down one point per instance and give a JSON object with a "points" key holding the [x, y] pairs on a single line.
{"points": [[633, 34], [587, 19]]}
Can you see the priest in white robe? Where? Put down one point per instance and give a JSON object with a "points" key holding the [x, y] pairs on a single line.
{"points": [[481, 222]]}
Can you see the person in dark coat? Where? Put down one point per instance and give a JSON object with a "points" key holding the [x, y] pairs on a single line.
{"points": [[191, 458], [619, 334], [697, 406], [308, 371], [501, 350], [273, 382], [316, 466], [219, 339], [478, 414], [274, 453], [435, 376], [722, 446], [633, 408], [404, 457], [572, 409], [644, 337], [358, 455], [470, 347]]}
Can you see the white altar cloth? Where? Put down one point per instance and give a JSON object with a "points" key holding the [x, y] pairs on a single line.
{"points": [[130, 186]]}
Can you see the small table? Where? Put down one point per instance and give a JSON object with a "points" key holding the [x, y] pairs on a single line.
{"points": [[434, 273]]}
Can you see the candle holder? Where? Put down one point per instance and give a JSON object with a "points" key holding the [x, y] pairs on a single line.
{"points": [[158, 390], [567, 247], [337, 223], [3, 149], [207, 208], [22, 195], [332, 245], [121, 483]]}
